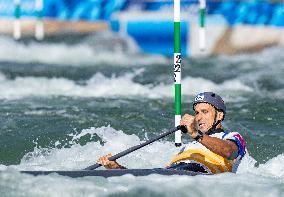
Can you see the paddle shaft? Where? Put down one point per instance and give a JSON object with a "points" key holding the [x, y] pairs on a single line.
{"points": [[134, 148]]}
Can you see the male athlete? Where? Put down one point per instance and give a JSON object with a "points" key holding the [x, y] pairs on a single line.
{"points": [[212, 150]]}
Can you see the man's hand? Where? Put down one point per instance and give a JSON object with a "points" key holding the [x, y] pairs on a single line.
{"points": [[104, 161], [189, 122]]}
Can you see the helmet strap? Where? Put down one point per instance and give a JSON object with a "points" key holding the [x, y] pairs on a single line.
{"points": [[215, 123]]}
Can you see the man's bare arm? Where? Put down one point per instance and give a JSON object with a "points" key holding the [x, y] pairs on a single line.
{"points": [[225, 148]]}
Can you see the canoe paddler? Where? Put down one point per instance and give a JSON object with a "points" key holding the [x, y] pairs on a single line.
{"points": [[213, 149]]}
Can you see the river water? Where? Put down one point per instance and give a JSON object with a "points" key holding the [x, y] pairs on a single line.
{"points": [[70, 99]]}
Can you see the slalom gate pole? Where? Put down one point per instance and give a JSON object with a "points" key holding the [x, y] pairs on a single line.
{"points": [[17, 16], [202, 12], [39, 28], [177, 70]]}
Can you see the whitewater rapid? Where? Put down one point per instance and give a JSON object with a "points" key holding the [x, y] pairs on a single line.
{"points": [[266, 179]]}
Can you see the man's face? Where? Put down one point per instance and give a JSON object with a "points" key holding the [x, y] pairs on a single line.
{"points": [[204, 116]]}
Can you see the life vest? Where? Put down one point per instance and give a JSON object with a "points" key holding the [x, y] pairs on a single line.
{"points": [[215, 163]]}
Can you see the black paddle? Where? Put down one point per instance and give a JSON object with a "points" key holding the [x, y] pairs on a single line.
{"points": [[134, 148]]}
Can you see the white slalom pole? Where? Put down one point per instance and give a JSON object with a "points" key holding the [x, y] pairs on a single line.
{"points": [[177, 70], [17, 24], [39, 28], [202, 11]]}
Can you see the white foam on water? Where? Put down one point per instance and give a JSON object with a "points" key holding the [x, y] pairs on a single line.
{"points": [[79, 157], [265, 180], [102, 86], [267, 58], [279, 94], [72, 55], [218, 185], [228, 88], [273, 168]]}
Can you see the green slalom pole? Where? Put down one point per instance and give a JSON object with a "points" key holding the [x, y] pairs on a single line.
{"points": [[177, 70], [39, 28], [17, 16], [202, 12]]}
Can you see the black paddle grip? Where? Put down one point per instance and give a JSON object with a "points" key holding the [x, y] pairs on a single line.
{"points": [[182, 128]]}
